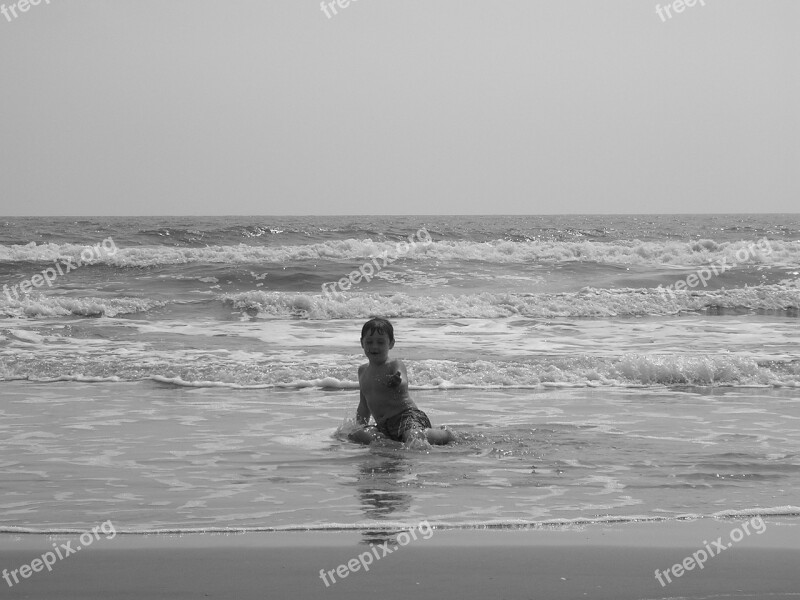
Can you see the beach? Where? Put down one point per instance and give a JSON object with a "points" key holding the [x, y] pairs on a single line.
{"points": [[258, 260], [598, 561], [622, 392]]}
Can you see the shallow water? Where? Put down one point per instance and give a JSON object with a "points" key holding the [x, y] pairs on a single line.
{"points": [[440, 353], [153, 457], [195, 375]]}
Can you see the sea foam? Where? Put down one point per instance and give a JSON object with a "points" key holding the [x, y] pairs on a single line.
{"points": [[634, 252]]}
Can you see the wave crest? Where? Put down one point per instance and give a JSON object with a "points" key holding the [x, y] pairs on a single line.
{"points": [[40, 305], [634, 252], [588, 302]]}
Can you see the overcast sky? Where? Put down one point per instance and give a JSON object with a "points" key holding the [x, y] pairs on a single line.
{"points": [[189, 107]]}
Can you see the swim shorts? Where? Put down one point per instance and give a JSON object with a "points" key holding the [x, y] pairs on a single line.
{"points": [[411, 418]]}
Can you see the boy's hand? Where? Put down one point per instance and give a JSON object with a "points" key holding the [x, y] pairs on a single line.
{"points": [[395, 379]]}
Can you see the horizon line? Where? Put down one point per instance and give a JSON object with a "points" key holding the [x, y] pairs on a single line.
{"points": [[609, 214]]}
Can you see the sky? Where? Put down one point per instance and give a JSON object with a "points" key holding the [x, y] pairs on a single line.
{"points": [[272, 107]]}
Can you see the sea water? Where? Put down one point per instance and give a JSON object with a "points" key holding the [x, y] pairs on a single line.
{"points": [[200, 377]]}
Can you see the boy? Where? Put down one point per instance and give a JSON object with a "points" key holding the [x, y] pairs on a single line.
{"points": [[383, 384]]}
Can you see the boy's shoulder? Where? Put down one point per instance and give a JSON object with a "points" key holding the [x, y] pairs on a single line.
{"points": [[390, 364]]}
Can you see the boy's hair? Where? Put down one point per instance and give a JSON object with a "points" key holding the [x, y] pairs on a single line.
{"points": [[380, 325]]}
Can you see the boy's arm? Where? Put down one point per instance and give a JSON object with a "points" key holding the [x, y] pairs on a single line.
{"points": [[399, 376], [362, 412]]}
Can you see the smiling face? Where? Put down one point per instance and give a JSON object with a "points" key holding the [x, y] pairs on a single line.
{"points": [[376, 347]]}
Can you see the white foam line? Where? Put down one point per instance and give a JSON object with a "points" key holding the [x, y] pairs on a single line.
{"points": [[780, 511]]}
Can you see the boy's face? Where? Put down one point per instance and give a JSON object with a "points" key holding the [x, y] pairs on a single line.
{"points": [[376, 347]]}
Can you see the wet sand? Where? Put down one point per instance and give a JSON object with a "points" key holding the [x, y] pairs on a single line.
{"points": [[596, 561]]}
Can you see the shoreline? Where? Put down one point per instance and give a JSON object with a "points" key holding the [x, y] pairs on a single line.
{"points": [[614, 561]]}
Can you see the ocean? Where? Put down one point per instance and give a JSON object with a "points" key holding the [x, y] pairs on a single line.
{"points": [[199, 374]]}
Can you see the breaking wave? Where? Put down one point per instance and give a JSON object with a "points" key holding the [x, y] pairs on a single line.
{"points": [[634, 252]]}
